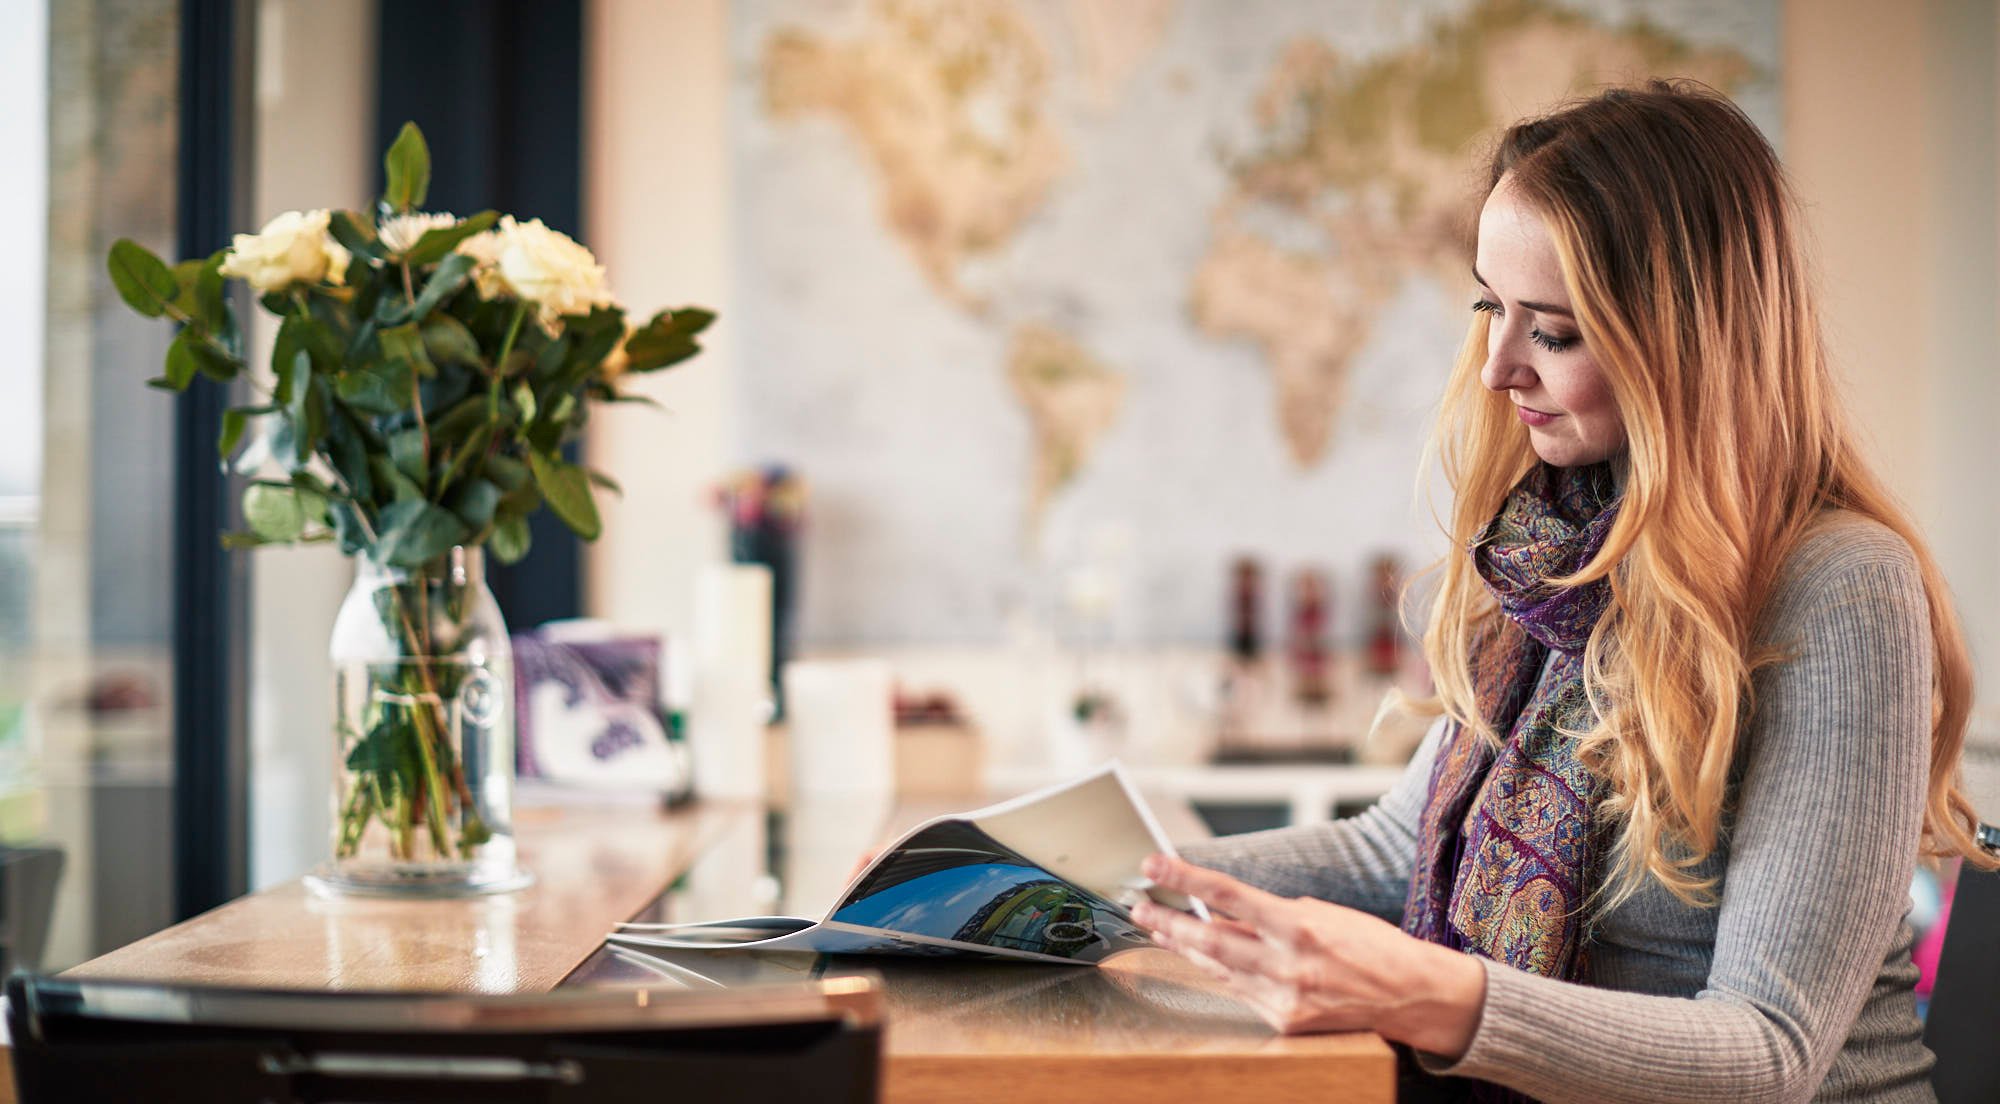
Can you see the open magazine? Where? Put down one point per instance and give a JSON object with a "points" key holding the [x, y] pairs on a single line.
{"points": [[1047, 877]]}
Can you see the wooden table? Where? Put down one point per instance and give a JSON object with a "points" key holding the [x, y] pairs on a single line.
{"points": [[1144, 1027]]}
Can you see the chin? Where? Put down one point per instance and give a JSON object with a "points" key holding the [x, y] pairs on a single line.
{"points": [[1566, 454]]}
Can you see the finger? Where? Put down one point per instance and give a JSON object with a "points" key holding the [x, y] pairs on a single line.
{"points": [[1232, 945], [1262, 910]]}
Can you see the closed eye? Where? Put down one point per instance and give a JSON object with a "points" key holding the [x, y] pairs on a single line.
{"points": [[1552, 344]]}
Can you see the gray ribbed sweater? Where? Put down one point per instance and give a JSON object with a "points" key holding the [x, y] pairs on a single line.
{"points": [[1798, 986]]}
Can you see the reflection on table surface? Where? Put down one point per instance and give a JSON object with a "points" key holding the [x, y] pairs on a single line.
{"points": [[796, 862]]}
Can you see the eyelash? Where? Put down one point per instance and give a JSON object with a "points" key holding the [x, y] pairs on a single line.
{"points": [[1552, 344]]}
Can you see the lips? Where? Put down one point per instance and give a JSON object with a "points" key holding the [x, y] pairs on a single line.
{"points": [[1534, 417]]}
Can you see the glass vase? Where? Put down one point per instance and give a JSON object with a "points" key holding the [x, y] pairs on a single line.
{"points": [[423, 781]]}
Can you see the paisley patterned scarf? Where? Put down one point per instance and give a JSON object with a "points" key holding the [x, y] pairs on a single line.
{"points": [[1506, 855]]}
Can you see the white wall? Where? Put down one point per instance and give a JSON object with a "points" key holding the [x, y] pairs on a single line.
{"points": [[656, 211], [314, 148]]}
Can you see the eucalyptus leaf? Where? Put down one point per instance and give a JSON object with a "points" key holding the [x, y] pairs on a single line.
{"points": [[475, 503], [186, 273], [567, 490], [408, 451], [635, 397], [273, 512], [213, 362], [377, 388], [211, 305], [509, 473], [414, 532], [407, 167], [286, 352], [234, 421], [181, 363], [389, 478], [461, 417], [347, 455], [307, 410], [348, 528], [511, 539], [143, 280]]}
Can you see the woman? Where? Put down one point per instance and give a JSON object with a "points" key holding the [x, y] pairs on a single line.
{"points": [[1702, 695]]}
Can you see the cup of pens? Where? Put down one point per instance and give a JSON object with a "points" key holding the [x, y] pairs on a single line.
{"points": [[766, 511]]}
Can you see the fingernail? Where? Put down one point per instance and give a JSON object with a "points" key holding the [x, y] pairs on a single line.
{"points": [[1154, 866]]}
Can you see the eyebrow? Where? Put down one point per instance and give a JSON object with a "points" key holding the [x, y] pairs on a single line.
{"points": [[1538, 308]]}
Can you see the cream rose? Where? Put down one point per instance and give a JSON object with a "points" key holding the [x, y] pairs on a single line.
{"points": [[484, 249], [401, 233], [550, 268], [291, 249]]}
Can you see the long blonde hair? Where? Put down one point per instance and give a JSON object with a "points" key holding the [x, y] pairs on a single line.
{"points": [[1680, 247]]}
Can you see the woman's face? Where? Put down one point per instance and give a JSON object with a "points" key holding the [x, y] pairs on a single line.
{"points": [[1534, 351]]}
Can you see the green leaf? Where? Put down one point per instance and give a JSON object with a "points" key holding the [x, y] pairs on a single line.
{"points": [[635, 397], [406, 343], [186, 273], [273, 512], [666, 339], [143, 280], [353, 234], [509, 473], [307, 408], [567, 490], [377, 388], [476, 502], [391, 479], [213, 362], [511, 539], [524, 399], [448, 341], [606, 482], [234, 421], [345, 518], [444, 283], [181, 363], [236, 541], [211, 306], [407, 166], [347, 455], [407, 449], [467, 451], [414, 532], [461, 418], [436, 243]]}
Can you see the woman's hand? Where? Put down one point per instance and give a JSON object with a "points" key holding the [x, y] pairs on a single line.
{"points": [[1309, 965]]}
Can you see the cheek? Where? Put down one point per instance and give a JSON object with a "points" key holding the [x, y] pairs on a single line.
{"points": [[1583, 392]]}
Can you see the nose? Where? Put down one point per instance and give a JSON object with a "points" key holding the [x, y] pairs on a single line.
{"points": [[1506, 367]]}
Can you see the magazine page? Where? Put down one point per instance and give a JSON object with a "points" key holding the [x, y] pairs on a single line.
{"points": [[1092, 833], [1058, 889]]}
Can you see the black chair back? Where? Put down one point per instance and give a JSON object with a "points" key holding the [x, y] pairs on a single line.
{"points": [[1963, 1028], [82, 1040]]}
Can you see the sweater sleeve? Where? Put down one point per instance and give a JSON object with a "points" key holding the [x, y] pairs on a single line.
{"points": [[1362, 861], [1821, 852]]}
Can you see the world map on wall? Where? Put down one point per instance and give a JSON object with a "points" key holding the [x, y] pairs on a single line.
{"points": [[1012, 272]]}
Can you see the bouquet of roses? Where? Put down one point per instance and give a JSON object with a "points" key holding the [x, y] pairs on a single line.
{"points": [[427, 371]]}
